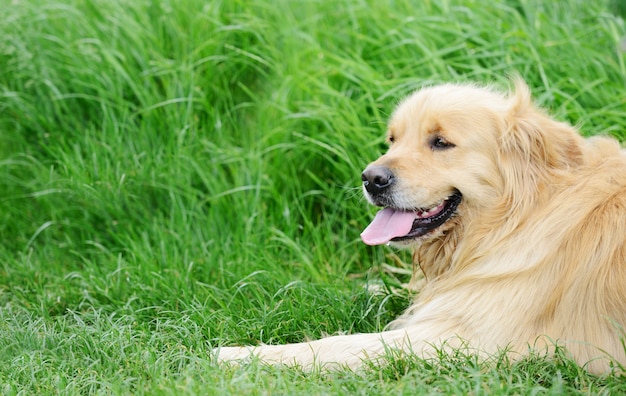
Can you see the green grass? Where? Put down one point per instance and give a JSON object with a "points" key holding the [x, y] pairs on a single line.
{"points": [[177, 175]]}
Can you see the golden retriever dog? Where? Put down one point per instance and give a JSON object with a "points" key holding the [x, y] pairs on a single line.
{"points": [[517, 222]]}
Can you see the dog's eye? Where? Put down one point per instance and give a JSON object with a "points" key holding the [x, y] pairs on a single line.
{"points": [[439, 143], [391, 139]]}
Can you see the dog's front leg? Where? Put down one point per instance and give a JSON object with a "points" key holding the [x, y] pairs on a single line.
{"points": [[333, 352]]}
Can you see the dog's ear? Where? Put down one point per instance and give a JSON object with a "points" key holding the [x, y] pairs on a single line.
{"points": [[536, 137], [534, 147]]}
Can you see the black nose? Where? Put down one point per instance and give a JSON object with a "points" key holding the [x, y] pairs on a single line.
{"points": [[377, 178]]}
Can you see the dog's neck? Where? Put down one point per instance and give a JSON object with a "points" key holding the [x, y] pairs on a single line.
{"points": [[434, 257], [454, 250]]}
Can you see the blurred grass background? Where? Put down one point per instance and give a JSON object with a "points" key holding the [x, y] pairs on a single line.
{"points": [[176, 175]]}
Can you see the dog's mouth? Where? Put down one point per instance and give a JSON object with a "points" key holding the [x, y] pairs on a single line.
{"points": [[395, 224]]}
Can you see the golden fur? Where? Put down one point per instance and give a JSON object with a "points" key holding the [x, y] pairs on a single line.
{"points": [[536, 252]]}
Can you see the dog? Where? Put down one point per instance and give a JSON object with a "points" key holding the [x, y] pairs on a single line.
{"points": [[517, 222]]}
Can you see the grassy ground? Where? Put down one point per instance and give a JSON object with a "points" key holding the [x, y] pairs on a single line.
{"points": [[176, 175]]}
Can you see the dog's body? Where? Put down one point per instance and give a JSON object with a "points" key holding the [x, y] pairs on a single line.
{"points": [[518, 223]]}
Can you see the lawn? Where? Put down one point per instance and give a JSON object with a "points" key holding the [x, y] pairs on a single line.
{"points": [[179, 175]]}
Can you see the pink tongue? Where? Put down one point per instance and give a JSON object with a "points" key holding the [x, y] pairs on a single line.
{"points": [[388, 224]]}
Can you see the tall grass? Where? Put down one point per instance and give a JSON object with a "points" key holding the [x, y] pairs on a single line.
{"points": [[180, 175]]}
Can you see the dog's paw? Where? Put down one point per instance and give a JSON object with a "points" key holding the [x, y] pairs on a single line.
{"points": [[232, 354]]}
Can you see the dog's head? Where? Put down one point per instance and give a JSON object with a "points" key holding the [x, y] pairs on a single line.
{"points": [[455, 153]]}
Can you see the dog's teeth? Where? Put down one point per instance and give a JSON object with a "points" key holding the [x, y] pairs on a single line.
{"points": [[422, 214]]}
